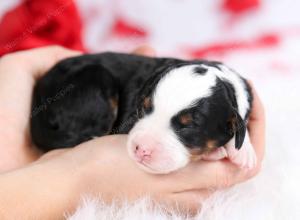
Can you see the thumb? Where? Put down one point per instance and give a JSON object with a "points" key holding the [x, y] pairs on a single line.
{"points": [[40, 60], [145, 50]]}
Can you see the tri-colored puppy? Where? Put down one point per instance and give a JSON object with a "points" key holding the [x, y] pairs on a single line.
{"points": [[175, 111]]}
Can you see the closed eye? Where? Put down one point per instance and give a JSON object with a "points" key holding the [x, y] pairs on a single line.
{"points": [[184, 129]]}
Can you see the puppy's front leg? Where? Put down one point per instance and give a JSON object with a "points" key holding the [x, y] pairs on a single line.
{"points": [[245, 157]]}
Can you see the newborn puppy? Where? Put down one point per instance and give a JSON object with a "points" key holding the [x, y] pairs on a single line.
{"points": [[175, 111]]}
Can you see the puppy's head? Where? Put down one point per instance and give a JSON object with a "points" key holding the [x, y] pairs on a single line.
{"points": [[184, 111]]}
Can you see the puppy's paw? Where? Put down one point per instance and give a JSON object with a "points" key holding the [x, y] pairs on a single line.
{"points": [[245, 158]]}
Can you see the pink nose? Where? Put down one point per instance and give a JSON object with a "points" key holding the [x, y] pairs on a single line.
{"points": [[142, 154], [144, 147]]}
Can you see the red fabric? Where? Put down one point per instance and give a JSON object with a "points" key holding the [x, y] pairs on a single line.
{"points": [[37, 23], [267, 40], [122, 28], [239, 6]]}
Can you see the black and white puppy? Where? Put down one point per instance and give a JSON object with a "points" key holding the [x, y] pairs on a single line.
{"points": [[175, 111]]}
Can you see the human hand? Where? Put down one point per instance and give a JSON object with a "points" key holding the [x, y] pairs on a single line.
{"points": [[111, 172], [18, 73], [102, 165]]}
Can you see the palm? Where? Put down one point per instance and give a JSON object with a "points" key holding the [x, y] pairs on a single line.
{"points": [[18, 73]]}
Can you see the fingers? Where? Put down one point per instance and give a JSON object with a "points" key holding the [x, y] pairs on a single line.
{"points": [[42, 59], [220, 174], [207, 175], [256, 126], [145, 50], [38, 61]]}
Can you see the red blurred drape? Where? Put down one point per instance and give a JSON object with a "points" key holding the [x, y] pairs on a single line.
{"points": [[36, 23]]}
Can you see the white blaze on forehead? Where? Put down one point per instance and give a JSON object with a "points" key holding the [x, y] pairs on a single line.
{"points": [[180, 88]]}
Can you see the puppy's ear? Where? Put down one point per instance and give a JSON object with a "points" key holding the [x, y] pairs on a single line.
{"points": [[238, 128], [237, 124]]}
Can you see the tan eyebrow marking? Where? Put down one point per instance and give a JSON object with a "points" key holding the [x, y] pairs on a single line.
{"points": [[147, 102], [185, 119]]}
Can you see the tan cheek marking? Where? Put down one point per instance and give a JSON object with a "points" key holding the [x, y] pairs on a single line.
{"points": [[196, 154], [211, 145], [113, 103], [195, 157]]}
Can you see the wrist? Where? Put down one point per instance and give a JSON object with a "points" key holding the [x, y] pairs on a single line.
{"points": [[61, 179], [46, 190], [96, 168]]}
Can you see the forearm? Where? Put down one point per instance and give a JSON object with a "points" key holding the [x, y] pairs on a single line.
{"points": [[40, 191], [52, 186]]}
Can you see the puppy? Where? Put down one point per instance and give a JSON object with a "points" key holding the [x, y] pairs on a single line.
{"points": [[174, 111]]}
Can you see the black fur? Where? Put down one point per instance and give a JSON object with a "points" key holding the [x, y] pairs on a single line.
{"points": [[210, 120], [85, 109], [79, 113]]}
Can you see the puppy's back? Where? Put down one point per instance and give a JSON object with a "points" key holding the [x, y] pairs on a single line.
{"points": [[72, 104]]}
